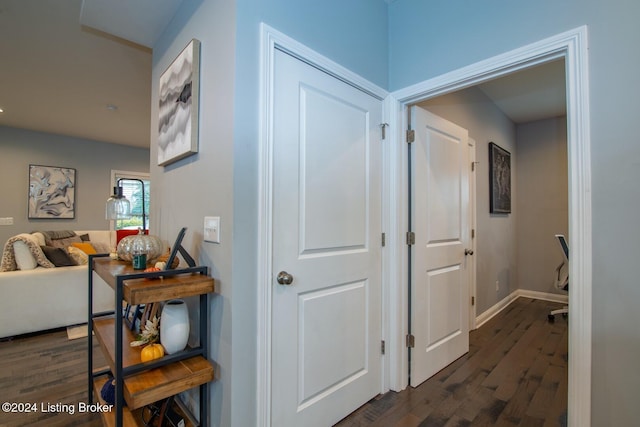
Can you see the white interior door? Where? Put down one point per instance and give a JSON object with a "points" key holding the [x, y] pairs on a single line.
{"points": [[326, 323], [440, 216]]}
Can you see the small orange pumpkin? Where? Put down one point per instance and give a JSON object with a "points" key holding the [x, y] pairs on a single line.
{"points": [[152, 270], [151, 352]]}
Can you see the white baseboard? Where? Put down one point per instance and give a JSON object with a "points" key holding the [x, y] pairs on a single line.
{"points": [[504, 303]]}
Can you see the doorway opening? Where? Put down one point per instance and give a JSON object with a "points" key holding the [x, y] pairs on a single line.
{"points": [[523, 113], [570, 47]]}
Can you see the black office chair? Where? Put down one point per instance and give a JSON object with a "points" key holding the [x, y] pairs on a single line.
{"points": [[562, 276]]}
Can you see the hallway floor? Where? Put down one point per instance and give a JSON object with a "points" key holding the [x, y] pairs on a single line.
{"points": [[515, 374]]}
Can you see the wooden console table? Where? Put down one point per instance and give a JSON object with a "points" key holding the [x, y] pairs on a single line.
{"points": [[139, 384]]}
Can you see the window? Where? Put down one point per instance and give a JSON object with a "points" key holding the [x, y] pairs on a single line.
{"points": [[132, 190]]}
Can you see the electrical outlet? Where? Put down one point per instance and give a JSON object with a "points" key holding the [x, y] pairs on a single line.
{"points": [[497, 285]]}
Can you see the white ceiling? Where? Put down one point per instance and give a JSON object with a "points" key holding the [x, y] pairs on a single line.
{"points": [[64, 63], [59, 77], [532, 94], [141, 21]]}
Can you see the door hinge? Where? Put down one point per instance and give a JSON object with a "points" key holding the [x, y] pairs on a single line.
{"points": [[473, 300], [411, 341], [382, 347], [384, 239], [383, 127], [411, 136], [411, 238], [473, 233]]}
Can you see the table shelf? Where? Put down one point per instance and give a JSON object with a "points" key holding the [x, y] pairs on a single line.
{"points": [[151, 385], [139, 384]]}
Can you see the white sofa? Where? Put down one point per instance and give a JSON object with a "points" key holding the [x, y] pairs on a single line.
{"points": [[46, 298]]}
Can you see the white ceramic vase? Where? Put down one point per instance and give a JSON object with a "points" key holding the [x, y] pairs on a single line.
{"points": [[174, 326]]}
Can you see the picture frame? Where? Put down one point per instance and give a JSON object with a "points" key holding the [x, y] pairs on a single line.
{"points": [[179, 99], [499, 179], [52, 192]]}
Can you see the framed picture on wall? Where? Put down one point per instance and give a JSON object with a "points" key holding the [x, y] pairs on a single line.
{"points": [[178, 110], [52, 192], [499, 179]]}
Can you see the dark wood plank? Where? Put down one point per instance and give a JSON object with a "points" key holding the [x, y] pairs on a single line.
{"points": [[46, 369], [49, 368], [142, 291], [515, 374]]}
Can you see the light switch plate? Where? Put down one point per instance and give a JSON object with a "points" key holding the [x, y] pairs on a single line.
{"points": [[6, 221], [212, 229]]}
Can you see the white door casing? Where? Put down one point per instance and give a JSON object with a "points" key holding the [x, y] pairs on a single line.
{"points": [[326, 324], [440, 215], [571, 45]]}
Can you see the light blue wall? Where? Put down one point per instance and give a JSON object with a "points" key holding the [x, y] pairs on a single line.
{"points": [[431, 38], [201, 185], [415, 41], [353, 33], [222, 179]]}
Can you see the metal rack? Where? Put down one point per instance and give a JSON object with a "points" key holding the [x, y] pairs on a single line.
{"points": [[183, 370]]}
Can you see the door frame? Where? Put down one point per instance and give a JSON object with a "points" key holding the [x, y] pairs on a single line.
{"points": [[474, 227], [270, 41], [572, 47]]}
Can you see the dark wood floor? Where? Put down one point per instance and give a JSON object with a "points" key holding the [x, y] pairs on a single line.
{"points": [[46, 369], [515, 374], [50, 371]]}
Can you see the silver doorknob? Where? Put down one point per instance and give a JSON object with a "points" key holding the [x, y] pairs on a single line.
{"points": [[284, 278], [468, 251]]}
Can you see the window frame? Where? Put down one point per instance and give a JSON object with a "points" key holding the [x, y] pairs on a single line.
{"points": [[120, 174]]}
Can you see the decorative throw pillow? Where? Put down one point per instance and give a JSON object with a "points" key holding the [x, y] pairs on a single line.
{"points": [[8, 254], [24, 258], [101, 248], [85, 247], [58, 256], [60, 234], [120, 234], [66, 242], [78, 256], [39, 238], [50, 236]]}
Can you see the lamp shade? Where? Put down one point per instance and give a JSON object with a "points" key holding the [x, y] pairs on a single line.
{"points": [[118, 207]]}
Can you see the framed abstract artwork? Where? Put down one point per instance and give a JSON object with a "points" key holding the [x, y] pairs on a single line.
{"points": [[179, 100], [499, 179], [52, 192]]}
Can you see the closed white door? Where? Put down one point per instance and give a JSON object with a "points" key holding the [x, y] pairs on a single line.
{"points": [[440, 217], [326, 307]]}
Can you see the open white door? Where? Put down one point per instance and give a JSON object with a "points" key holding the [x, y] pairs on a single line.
{"points": [[440, 221], [326, 307]]}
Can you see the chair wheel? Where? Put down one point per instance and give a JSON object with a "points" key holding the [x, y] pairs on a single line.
{"points": [[551, 318]]}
